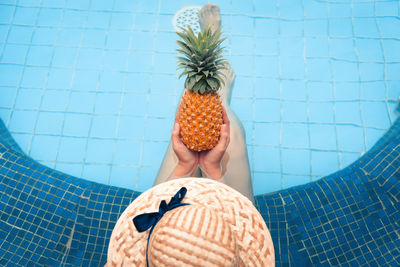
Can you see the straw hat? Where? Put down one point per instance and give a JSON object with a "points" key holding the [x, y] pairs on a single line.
{"points": [[220, 227]]}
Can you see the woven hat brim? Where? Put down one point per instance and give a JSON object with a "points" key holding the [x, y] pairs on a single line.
{"points": [[128, 246]]}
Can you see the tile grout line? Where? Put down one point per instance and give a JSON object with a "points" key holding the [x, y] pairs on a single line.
{"points": [[97, 91], [112, 157], [310, 169], [333, 91], [281, 97], [384, 68], [1, 61], [44, 89], [254, 97], [78, 49], [19, 82], [122, 98], [146, 116], [359, 79]]}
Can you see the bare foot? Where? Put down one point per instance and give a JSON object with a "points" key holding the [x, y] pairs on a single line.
{"points": [[209, 15], [226, 90]]}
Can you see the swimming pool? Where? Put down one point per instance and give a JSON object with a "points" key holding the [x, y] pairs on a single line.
{"points": [[90, 87]]}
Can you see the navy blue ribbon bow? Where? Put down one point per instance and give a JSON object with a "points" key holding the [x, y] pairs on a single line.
{"points": [[144, 221]]}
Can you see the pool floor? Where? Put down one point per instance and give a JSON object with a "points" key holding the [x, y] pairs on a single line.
{"points": [[90, 87]]}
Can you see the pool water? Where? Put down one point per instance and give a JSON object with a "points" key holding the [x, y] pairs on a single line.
{"points": [[90, 87]]}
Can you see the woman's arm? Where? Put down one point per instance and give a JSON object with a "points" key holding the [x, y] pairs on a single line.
{"points": [[188, 160]]}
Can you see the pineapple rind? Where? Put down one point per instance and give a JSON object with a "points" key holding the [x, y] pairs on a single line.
{"points": [[200, 120]]}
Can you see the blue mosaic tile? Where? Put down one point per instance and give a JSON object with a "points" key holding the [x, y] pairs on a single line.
{"points": [[25, 15], [267, 133], [79, 57], [76, 100], [59, 78], [295, 135], [320, 165], [267, 110], [296, 161], [44, 127], [274, 162], [14, 53], [47, 143]]}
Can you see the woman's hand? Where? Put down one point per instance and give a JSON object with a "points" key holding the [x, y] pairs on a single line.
{"points": [[188, 159], [210, 160]]}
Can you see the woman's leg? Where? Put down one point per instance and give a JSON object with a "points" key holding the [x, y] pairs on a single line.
{"points": [[235, 163], [167, 165]]}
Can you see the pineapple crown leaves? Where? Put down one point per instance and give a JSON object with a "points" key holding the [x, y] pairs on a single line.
{"points": [[201, 59]]}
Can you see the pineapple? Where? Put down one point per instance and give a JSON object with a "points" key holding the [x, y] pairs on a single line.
{"points": [[200, 110]]}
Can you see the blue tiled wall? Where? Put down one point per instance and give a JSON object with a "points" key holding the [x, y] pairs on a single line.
{"points": [[79, 80]]}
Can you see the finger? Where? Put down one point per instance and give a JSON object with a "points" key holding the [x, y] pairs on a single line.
{"points": [[224, 138], [226, 122], [175, 135], [178, 112], [227, 131], [225, 116]]}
